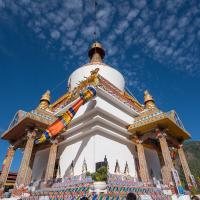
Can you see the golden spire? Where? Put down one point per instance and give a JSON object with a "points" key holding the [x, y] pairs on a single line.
{"points": [[45, 100], [96, 53], [148, 100]]}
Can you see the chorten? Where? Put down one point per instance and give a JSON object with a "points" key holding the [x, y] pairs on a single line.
{"points": [[113, 124]]}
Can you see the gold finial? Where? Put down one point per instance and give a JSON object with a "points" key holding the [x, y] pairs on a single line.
{"points": [[45, 100], [148, 100], [96, 53]]}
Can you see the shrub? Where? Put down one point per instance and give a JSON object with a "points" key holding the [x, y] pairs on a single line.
{"points": [[100, 174]]}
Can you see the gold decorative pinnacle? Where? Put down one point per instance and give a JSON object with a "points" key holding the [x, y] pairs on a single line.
{"points": [[46, 96], [96, 45], [148, 100], [45, 100], [96, 53], [147, 96]]}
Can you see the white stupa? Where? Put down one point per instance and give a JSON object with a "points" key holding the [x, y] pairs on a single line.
{"points": [[99, 128]]}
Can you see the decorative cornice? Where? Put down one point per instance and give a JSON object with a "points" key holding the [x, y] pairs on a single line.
{"points": [[147, 117], [120, 95], [153, 118], [43, 115]]}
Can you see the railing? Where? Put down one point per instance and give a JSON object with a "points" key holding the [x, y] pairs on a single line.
{"points": [[18, 117], [174, 117]]}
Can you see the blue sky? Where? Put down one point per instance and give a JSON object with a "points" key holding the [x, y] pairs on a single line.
{"points": [[154, 44]]}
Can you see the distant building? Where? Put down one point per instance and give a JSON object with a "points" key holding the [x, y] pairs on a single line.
{"points": [[10, 182]]}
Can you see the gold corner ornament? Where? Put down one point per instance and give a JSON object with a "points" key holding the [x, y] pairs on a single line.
{"points": [[147, 96], [46, 96], [148, 100], [45, 100]]}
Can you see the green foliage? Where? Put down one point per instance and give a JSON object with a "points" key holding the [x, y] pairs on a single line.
{"points": [[88, 174], [198, 181], [100, 174], [195, 191], [192, 149], [182, 177]]}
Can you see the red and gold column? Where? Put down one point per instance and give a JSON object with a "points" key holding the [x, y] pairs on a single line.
{"points": [[143, 169], [168, 164], [185, 166], [6, 165], [23, 170], [29, 170], [51, 161]]}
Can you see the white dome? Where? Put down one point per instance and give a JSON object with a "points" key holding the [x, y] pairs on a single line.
{"points": [[106, 71]]}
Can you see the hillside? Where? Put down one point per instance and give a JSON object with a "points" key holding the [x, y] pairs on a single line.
{"points": [[192, 151]]}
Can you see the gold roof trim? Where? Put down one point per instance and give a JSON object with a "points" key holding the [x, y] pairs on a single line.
{"points": [[150, 121], [134, 100]]}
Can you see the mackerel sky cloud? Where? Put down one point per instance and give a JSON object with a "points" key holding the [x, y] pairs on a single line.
{"points": [[167, 31]]}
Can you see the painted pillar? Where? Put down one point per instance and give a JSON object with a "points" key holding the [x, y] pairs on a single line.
{"points": [[23, 170], [6, 165], [143, 169], [168, 164], [51, 161], [29, 170], [185, 166]]}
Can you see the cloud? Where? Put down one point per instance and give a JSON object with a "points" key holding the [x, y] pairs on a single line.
{"points": [[55, 34], [2, 4], [132, 14], [140, 4], [165, 31]]}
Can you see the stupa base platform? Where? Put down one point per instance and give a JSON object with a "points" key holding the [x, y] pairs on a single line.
{"points": [[111, 193], [73, 188]]}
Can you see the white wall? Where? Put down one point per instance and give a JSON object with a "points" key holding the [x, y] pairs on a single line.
{"points": [[115, 150], [93, 148], [114, 110], [77, 151], [118, 109]]}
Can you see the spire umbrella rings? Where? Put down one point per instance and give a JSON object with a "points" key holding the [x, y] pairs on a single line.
{"points": [[65, 118]]}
